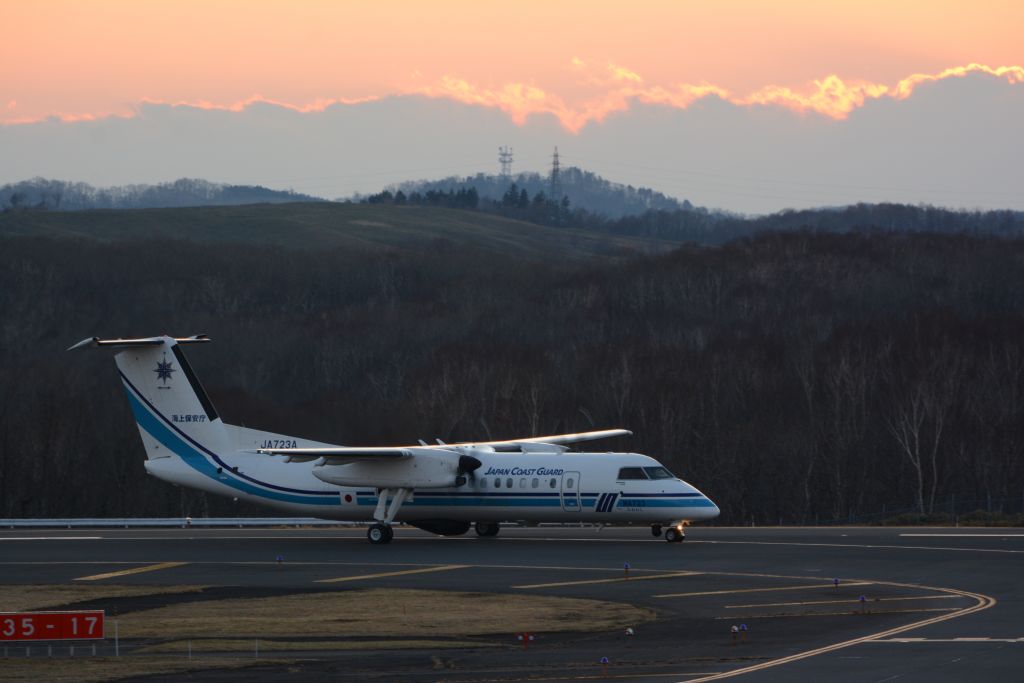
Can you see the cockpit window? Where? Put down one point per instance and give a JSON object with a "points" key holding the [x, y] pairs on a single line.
{"points": [[632, 473], [658, 473]]}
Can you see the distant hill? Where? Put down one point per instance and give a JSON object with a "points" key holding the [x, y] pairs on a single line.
{"points": [[60, 195], [584, 189], [318, 225]]}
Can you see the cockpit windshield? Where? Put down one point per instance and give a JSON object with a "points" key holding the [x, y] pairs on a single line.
{"points": [[632, 473], [659, 473]]}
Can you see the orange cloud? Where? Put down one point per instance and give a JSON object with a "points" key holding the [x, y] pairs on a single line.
{"points": [[612, 88], [903, 89], [830, 96]]}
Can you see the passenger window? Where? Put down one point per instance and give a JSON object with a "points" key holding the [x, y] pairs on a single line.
{"points": [[497, 483], [632, 473], [553, 483], [568, 483], [508, 482], [658, 473], [522, 483], [536, 482]]}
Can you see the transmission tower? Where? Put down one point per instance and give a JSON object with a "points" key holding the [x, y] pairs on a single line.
{"points": [[556, 180], [505, 159]]}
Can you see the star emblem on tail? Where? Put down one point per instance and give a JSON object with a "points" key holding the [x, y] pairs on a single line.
{"points": [[163, 370]]}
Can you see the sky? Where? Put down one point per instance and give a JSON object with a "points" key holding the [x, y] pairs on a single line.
{"points": [[748, 106]]}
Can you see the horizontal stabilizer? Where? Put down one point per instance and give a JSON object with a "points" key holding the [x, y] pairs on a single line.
{"points": [[96, 342]]}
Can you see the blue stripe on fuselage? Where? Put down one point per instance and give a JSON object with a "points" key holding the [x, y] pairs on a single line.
{"points": [[199, 462]]}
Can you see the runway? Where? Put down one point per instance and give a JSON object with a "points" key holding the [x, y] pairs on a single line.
{"points": [[938, 604]]}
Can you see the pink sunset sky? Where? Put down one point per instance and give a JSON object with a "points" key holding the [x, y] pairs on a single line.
{"points": [[102, 91], [577, 60]]}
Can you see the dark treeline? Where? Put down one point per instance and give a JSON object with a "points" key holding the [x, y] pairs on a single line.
{"points": [[793, 376], [689, 224], [585, 190], [59, 195]]}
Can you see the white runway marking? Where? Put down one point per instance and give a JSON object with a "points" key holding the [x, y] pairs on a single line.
{"points": [[911, 641], [870, 546], [965, 535], [50, 538]]}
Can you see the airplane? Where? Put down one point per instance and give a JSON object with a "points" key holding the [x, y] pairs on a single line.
{"points": [[441, 488]]}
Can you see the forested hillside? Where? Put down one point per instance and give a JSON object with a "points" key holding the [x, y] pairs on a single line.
{"points": [[585, 190], [792, 376], [60, 195], [322, 225]]}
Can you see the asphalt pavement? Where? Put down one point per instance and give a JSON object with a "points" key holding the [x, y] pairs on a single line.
{"points": [[938, 604]]}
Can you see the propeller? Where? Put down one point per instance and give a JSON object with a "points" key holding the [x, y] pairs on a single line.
{"points": [[468, 465]]}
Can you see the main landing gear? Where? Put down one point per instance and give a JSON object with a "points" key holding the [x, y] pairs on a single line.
{"points": [[485, 529], [379, 534]]}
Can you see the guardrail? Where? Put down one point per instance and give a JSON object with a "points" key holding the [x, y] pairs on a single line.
{"points": [[181, 522]]}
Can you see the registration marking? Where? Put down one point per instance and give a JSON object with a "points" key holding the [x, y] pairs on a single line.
{"points": [[406, 572], [133, 570]]}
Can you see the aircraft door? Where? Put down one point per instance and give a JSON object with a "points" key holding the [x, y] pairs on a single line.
{"points": [[571, 491]]}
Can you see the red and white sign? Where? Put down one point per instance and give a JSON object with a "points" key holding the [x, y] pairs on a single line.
{"points": [[87, 625]]}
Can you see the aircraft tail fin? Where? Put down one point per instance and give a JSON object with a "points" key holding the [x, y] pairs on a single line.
{"points": [[174, 413]]}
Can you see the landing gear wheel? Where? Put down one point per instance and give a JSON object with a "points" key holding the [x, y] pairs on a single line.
{"points": [[673, 535], [379, 534], [655, 530], [484, 529]]}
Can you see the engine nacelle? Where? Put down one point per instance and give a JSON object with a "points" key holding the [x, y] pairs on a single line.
{"points": [[436, 470]]}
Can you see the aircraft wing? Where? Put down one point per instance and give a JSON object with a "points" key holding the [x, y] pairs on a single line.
{"points": [[558, 439], [340, 455]]}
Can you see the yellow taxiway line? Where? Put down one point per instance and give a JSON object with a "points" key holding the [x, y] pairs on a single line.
{"points": [[840, 602], [618, 579], [982, 602], [133, 570], [406, 572], [762, 590]]}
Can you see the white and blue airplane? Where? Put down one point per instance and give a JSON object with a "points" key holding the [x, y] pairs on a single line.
{"points": [[442, 488]]}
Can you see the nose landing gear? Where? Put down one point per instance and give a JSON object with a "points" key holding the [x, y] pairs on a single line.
{"points": [[484, 529], [675, 534]]}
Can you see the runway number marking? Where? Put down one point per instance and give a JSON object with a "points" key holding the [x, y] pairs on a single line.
{"points": [[619, 579], [133, 570], [406, 572], [761, 590]]}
